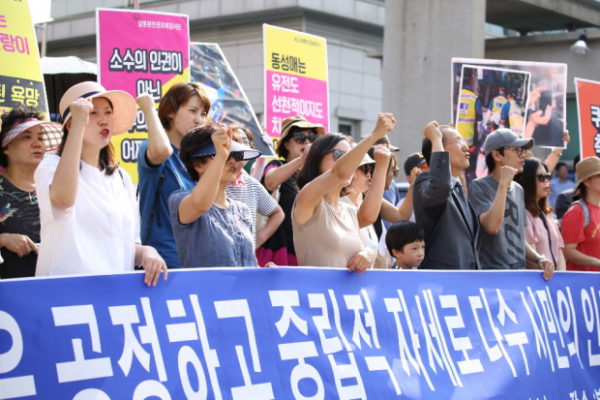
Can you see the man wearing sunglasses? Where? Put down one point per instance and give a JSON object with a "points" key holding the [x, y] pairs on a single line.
{"points": [[440, 205], [499, 203]]}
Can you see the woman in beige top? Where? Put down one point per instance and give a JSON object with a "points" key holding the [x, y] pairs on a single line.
{"points": [[326, 232]]}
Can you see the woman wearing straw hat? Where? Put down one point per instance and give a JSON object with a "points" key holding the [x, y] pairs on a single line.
{"points": [[25, 138], [581, 222], [90, 223], [296, 136]]}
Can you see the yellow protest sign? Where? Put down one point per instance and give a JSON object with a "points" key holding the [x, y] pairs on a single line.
{"points": [[21, 79]]}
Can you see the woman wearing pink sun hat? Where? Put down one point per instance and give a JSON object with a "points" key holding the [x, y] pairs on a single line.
{"points": [[90, 223], [25, 137]]}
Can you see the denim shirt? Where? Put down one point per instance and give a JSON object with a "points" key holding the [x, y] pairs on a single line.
{"points": [[221, 237]]}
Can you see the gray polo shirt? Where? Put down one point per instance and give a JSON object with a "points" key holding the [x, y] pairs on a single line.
{"points": [[506, 250]]}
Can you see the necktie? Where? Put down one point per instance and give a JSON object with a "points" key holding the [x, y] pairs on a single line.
{"points": [[460, 195]]}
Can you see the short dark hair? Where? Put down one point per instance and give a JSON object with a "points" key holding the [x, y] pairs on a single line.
{"points": [[8, 120], [528, 180], [282, 151], [319, 149], [191, 142], [489, 159], [108, 159], [178, 96], [402, 233], [559, 165], [427, 146]]}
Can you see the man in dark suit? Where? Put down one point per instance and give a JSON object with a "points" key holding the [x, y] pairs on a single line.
{"points": [[440, 204]]}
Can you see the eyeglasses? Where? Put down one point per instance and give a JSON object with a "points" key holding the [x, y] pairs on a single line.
{"points": [[519, 150], [367, 169], [336, 153], [543, 177], [300, 137]]}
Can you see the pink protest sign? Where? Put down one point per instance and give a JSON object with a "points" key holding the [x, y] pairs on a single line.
{"points": [[140, 52]]}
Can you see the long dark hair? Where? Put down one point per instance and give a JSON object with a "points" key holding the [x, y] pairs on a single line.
{"points": [[319, 149], [580, 192], [528, 179], [107, 160]]}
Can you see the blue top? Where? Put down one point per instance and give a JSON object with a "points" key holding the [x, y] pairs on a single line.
{"points": [[557, 187], [505, 111], [393, 197], [174, 177], [221, 237]]}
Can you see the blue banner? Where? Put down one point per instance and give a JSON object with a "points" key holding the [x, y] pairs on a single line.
{"points": [[293, 333]]}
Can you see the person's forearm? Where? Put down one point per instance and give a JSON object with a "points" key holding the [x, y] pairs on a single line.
{"points": [[273, 222], [258, 168], [529, 128], [369, 209], [577, 257], [492, 219], [63, 189], [159, 146], [139, 252], [552, 160], [406, 208], [531, 254], [202, 197], [347, 165], [562, 264], [277, 176]]}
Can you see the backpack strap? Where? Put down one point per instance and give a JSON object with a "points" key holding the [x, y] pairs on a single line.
{"points": [[154, 207], [586, 212], [543, 218]]}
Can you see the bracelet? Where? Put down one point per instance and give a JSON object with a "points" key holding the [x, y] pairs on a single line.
{"points": [[541, 258], [558, 153]]}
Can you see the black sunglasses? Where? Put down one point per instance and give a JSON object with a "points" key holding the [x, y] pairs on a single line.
{"points": [[336, 153], [300, 137], [396, 172], [236, 155], [367, 169], [543, 177]]}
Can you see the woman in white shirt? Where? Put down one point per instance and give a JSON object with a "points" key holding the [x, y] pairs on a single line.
{"points": [[89, 218]]}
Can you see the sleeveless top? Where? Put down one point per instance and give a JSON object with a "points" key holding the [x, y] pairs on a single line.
{"points": [[330, 238]]}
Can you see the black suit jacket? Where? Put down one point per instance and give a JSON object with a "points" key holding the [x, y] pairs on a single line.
{"points": [[449, 243]]}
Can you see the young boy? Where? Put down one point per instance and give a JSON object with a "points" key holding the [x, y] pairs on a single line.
{"points": [[405, 241]]}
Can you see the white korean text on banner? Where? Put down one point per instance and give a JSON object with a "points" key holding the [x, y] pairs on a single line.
{"points": [[298, 333]]}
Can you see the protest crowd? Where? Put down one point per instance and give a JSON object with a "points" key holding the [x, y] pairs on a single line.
{"points": [[68, 208]]}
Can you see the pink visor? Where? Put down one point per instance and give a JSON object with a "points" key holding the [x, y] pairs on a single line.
{"points": [[52, 132]]}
